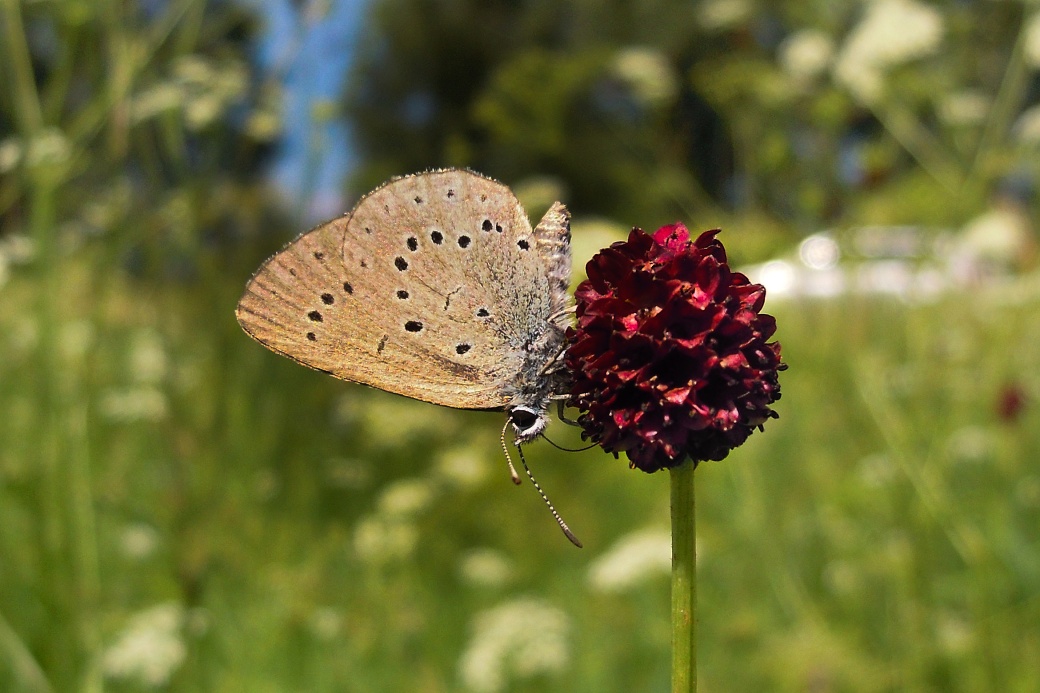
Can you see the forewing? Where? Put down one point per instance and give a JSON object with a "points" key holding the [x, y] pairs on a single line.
{"points": [[425, 289]]}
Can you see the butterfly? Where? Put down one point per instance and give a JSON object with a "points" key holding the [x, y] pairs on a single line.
{"points": [[435, 287]]}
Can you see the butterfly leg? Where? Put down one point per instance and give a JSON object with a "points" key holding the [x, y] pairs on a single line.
{"points": [[554, 364], [561, 406], [562, 313]]}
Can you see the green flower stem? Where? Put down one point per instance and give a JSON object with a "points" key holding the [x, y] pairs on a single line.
{"points": [[684, 580]]}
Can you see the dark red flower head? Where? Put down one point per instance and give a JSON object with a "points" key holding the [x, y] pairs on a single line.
{"points": [[670, 357]]}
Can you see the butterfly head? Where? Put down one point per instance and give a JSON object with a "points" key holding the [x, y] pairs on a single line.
{"points": [[528, 422]]}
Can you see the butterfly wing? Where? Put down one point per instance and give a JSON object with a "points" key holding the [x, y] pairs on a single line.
{"points": [[553, 238], [430, 288]]}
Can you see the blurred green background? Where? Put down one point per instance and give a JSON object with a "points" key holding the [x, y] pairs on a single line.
{"points": [[182, 510]]}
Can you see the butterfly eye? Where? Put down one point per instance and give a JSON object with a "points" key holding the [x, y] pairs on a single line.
{"points": [[524, 420]]}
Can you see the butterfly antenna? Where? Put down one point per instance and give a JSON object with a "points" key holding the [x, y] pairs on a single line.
{"points": [[559, 520], [509, 460]]}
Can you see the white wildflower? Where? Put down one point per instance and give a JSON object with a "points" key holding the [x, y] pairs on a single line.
{"points": [[820, 251], [648, 74], [134, 404], [968, 107], [632, 560], [464, 466], [155, 100], [194, 70], [208, 88], [1027, 127], [971, 444], [202, 110], [11, 152], [515, 640], [18, 248], [148, 362], [1032, 41], [380, 540], [139, 540], [995, 241], [894, 32], [485, 568], [150, 647], [719, 15], [862, 78], [891, 33], [325, 623], [392, 420], [805, 55], [891, 277], [956, 636], [48, 148], [405, 498]]}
